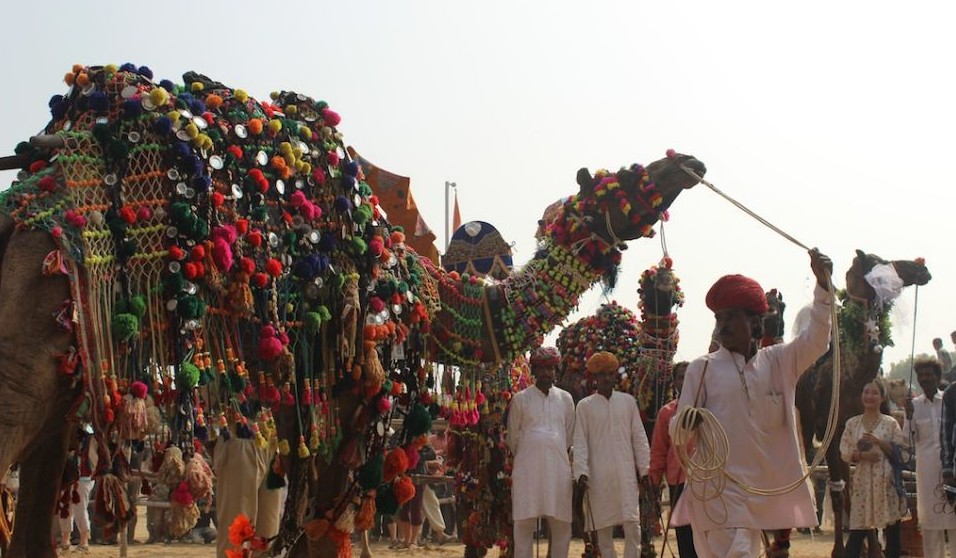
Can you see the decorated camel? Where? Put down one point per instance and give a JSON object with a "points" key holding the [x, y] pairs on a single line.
{"points": [[224, 257], [645, 349], [864, 327]]}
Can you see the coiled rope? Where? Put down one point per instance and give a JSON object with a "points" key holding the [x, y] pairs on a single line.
{"points": [[706, 462]]}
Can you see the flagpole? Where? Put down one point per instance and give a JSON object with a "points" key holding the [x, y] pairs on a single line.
{"points": [[448, 186]]}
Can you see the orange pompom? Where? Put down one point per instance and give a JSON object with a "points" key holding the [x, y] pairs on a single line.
{"points": [[404, 490]]}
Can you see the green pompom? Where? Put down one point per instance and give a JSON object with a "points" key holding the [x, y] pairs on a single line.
{"points": [[359, 246], [362, 215], [188, 307], [385, 501], [418, 421], [313, 321], [324, 313], [259, 213], [188, 376], [174, 283], [137, 305], [370, 475], [398, 228], [125, 327]]}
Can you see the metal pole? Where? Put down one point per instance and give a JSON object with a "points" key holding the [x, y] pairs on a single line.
{"points": [[447, 233]]}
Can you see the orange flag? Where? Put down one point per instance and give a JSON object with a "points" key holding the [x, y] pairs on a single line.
{"points": [[456, 218]]}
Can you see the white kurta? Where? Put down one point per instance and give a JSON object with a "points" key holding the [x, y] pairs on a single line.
{"points": [[610, 447], [760, 422], [923, 431], [540, 428]]}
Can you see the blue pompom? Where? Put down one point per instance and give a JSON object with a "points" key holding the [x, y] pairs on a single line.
{"points": [[193, 164], [327, 243], [145, 72], [128, 67], [98, 101], [58, 106], [342, 203], [197, 107], [352, 169], [55, 100], [182, 149], [163, 126], [132, 108], [167, 85], [348, 182], [202, 183]]}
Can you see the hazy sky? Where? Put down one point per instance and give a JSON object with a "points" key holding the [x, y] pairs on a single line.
{"points": [[833, 120]]}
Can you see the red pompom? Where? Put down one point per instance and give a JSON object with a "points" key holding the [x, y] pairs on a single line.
{"points": [[396, 463], [47, 184], [176, 253], [216, 199], [198, 253], [191, 271], [274, 267], [255, 239], [404, 490], [247, 265], [242, 226], [144, 213], [269, 348], [127, 214], [260, 280]]}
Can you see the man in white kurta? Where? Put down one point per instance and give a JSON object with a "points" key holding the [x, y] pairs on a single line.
{"points": [[936, 519], [751, 394], [611, 454], [540, 426]]}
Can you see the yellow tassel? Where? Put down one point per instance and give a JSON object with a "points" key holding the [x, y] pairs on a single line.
{"points": [[284, 447], [303, 450], [260, 441]]}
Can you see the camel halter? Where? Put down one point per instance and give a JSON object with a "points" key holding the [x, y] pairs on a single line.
{"points": [[708, 463]]}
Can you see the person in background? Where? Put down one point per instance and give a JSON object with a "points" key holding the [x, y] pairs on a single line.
{"points": [[611, 458], [944, 358], [923, 414], [875, 443], [665, 465], [430, 503], [540, 429], [83, 460]]}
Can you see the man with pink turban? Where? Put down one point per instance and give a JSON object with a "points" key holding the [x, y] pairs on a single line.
{"points": [[540, 426], [750, 391]]}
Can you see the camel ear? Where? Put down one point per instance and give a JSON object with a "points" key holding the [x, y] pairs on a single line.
{"points": [[860, 254], [584, 180]]}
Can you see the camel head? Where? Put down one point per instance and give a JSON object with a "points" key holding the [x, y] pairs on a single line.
{"points": [[910, 272], [773, 325], [659, 290], [625, 205]]}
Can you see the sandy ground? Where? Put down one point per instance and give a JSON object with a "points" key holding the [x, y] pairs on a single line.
{"points": [[803, 546]]}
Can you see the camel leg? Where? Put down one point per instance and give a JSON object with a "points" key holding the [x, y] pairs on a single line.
{"points": [[40, 473], [839, 473]]}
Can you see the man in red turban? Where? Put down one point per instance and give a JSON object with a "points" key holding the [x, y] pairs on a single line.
{"points": [[750, 392]]}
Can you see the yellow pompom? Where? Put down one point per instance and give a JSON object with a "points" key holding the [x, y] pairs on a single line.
{"points": [[291, 109], [240, 95], [192, 130], [260, 441], [303, 450], [300, 166], [159, 96], [306, 168], [305, 132], [289, 159], [111, 68], [275, 126], [297, 152], [285, 148], [284, 447], [173, 115], [196, 86]]}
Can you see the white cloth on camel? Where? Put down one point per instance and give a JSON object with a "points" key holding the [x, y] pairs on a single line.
{"points": [[610, 447], [761, 426], [539, 434]]}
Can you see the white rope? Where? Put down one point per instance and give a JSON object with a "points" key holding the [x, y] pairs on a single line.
{"points": [[705, 463]]}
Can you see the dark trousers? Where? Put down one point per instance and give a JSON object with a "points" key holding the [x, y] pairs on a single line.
{"points": [[685, 535], [892, 532]]}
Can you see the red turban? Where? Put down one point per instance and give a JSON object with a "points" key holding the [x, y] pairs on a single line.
{"points": [[545, 356], [737, 291]]}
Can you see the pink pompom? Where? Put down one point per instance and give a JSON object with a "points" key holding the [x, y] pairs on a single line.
{"points": [[376, 305], [333, 158], [376, 246], [671, 154], [222, 254], [284, 338], [383, 405], [138, 389], [225, 232], [331, 117], [144, 213], [297, 198], [267, 331], [309, 211]]}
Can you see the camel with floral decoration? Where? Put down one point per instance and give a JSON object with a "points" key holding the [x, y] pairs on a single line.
{"points": [[872, 284], [645, 348], [227, 255]]}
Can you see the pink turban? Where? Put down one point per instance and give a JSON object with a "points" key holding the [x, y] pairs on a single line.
{"points": [[737, 291], [545, 356]]}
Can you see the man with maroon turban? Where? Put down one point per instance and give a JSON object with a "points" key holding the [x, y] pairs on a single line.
{"points": [[540, 426], [611, 455], [750, 391]]}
